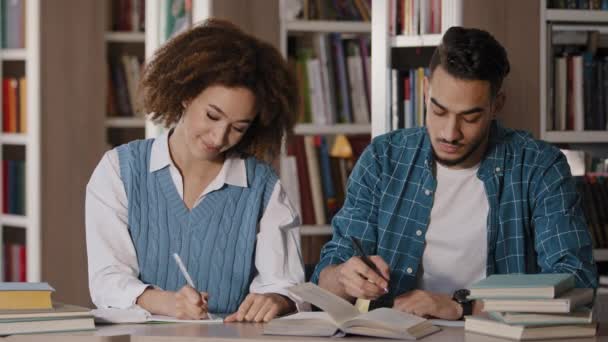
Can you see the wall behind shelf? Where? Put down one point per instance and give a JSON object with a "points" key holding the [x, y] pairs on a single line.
{"points": [[515, 24], [72, 136]]}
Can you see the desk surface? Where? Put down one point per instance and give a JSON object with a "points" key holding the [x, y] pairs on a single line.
{"points": [[238, 332]]}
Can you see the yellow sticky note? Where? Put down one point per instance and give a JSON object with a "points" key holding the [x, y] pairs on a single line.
{"points": [[362, 305]]}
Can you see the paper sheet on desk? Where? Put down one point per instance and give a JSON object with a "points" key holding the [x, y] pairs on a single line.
{"points": [[139, 315]]}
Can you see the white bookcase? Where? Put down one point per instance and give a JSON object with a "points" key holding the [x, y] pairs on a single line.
{"points": [[289, 27], [27, 59], [565, 20]]}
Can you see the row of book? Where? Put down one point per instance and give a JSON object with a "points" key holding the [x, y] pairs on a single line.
{"points": [[14, 105], [580, 89], [27, 308], [419, 17], [593, 190], [413, 17], [532, 306], [13, 187], [128, 15], [12, 24], [407, 106], [347, 10], [333, 74], [579, 4], [318, 168], [124, 74], [14, 263]]}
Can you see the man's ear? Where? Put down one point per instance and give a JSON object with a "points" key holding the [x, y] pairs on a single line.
{"points": [[499, 103]]}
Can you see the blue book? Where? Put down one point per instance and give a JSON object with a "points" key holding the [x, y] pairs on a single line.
{"points": [[519, 286], [581, 316], [17, 286]]}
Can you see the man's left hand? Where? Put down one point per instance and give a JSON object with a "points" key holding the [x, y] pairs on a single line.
{"points": [[261, 308], [428, 304]]}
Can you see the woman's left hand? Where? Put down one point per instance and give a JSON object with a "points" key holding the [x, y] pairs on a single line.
{"points": [[261, 308]]}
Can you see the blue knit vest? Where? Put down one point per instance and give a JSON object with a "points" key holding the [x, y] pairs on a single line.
{"points": [[216, 239]]}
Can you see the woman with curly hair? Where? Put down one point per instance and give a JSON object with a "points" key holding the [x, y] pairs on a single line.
{"points": [[203, 189]]}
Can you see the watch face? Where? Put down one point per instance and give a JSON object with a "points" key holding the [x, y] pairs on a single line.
{"points": [[461, 295]]}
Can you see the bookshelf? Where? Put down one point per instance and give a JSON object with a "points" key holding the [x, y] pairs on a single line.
{"points": [[20, 226], [298, 33], [554, 27]]}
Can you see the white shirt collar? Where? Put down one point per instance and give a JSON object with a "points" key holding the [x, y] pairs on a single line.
{"points": [[233, 172]]}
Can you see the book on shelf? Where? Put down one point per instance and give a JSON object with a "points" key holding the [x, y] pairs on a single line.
{"points": [[340, 315], [176, 17], [15, 265], [128, 15], [332, 71], [521, 286], [580, 316], [322, 175], [21, 295], [354, 10], [13, 24], [13, 191], [14, 110], [490, 327]]}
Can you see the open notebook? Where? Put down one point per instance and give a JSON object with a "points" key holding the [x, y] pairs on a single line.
{"points": [[342, 316], [138, 315]]}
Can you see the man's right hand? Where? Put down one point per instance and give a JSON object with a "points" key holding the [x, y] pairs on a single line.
{"points": [[190, 304], [360, 281]]}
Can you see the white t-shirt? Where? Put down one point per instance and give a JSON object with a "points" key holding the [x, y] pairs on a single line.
{"points": [[456, 240]]}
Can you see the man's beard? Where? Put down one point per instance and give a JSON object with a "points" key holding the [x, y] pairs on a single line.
{"points": [[454, 162]]}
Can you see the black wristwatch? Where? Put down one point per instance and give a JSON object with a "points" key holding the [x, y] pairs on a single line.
{"points": [[460, 297]]}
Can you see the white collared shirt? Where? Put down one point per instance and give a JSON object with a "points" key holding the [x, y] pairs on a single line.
{"points": [[113, 268]]}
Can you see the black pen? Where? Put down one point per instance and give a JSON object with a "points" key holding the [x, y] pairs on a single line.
{"points": [[365, 259]]}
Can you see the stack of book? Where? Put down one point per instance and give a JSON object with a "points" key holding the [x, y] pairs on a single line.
{"points": [[27, 308], [532, 306]]}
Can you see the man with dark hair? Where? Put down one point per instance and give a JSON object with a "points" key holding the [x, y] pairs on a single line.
{"points": [[442, 206]]}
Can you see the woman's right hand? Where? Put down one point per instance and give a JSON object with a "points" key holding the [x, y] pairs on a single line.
{"points": [[190, 304]]}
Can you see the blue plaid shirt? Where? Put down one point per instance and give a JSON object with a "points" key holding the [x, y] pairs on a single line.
{"points": [[535, 222]]}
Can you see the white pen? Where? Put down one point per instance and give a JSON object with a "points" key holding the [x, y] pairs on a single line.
{"points": [[185, 273]]}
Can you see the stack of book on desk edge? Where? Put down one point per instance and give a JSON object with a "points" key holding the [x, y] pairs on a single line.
{"points": [[341, 317], [532, 306], [26, 308]]}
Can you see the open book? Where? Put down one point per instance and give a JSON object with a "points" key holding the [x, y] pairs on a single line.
{"points": [[138, 315], [341, 315]]}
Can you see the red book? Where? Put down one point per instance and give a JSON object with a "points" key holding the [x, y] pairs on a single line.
{"points": [[6, 86], [22, 263], [296, 148], [7, 261]]}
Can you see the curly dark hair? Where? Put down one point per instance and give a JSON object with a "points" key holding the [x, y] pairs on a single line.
{"points": [[217, 52], [472, 54]]}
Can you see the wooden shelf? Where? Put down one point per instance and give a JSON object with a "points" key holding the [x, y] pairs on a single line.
{"points": [[575, 136], [13, 220], [577, 16], [13, 138], [416, 40], [13, 54], [134, 122], [125, 37], [316, 230], [600, 254], [312, 129], [328, 26]]}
